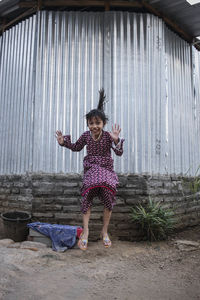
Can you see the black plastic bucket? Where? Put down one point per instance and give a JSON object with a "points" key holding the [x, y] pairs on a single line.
{"points": [[15, 225]]}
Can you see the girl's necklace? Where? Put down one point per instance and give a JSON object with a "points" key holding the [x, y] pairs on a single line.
{"points": [[99, 136]]}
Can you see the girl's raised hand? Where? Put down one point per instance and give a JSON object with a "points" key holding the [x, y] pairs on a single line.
{"points": [[60, 137], [115, 133]]}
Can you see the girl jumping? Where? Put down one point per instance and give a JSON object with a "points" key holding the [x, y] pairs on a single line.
{"points": [[99, 177]]}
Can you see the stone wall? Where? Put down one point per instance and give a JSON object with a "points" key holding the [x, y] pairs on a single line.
{"points": [[55, 198]]}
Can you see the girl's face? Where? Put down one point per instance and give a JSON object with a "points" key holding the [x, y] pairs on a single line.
{"points": [[95, 125]]}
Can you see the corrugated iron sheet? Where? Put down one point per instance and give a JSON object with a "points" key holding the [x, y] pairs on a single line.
{"points": [[52, 66], [17, 63], [196, 109], [69, 73]]}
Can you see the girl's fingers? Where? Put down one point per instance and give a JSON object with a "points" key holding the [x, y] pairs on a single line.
{"points": [[58, 132], [116, 128]]}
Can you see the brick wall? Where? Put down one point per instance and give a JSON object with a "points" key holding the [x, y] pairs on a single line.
{"points": [[55, 198]]}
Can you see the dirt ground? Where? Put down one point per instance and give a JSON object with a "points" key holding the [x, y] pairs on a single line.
{"points": [[127, 271]]}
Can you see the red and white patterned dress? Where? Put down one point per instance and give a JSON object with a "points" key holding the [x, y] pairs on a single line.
{"points": [[99, 177]]}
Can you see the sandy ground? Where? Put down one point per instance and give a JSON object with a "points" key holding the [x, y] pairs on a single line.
{"points": [[128, 270]]}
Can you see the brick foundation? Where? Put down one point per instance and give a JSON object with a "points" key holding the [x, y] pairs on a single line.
{"points": [[55, 198]]}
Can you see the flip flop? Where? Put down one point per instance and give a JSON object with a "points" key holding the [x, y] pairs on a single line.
{"points": [[106, 241], [82, 243]]}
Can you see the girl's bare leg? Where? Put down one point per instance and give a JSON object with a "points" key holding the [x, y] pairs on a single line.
{"points": [[106, 220], [86, 218]]}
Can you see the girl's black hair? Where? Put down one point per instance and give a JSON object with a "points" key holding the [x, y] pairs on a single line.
{"points": [[99, 111]]}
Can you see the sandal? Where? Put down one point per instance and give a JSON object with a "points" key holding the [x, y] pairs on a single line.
{"points": [[82, 243], [106, 241]]}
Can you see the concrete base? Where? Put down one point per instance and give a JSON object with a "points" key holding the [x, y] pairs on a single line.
{"points": [[38, 237]]}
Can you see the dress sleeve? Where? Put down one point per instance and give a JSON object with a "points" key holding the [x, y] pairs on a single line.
{"points": [[118, 149], [78, 145]]}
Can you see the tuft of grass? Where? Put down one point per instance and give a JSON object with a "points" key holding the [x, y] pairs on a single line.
{"points": [[193, 185], [156, 222]]}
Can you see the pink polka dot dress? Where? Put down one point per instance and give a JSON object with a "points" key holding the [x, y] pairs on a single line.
{"points": [[99, 178]]}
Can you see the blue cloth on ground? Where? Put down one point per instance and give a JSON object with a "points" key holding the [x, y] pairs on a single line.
{"points": [[62, 236]]}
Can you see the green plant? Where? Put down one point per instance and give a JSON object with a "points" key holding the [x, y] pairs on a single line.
{"points": [[155, 221], [194, 184]]}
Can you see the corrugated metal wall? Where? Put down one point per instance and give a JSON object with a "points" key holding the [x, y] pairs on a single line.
{"points": [[183, 143], [135, 79], [17, 64], [69, 73], [196, 108], [52, 66]]}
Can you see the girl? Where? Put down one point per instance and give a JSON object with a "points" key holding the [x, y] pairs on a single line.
{"points": [[99, 177]]}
